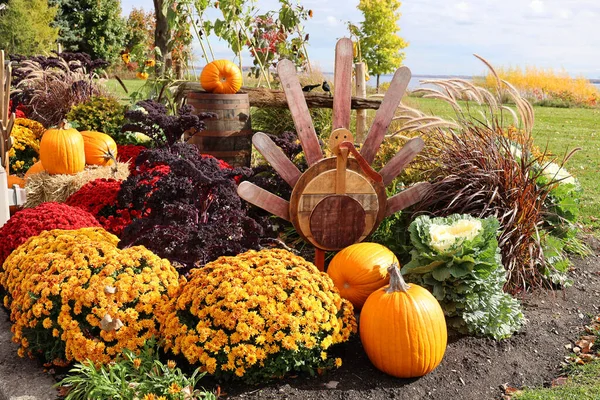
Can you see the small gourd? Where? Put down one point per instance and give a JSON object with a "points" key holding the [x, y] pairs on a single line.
{"points": [[403, 329], [360, 269], [221, 77], [34, 169], [62, 150]]}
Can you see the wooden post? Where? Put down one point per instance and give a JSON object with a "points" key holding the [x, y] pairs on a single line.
{"points": [[6, 120], [4, 207], [361, 92]]}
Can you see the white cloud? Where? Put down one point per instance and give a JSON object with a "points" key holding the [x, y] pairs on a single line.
{"points": [[537, 6]]}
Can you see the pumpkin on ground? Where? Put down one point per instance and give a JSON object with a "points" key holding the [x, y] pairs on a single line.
{"points": [[100, 149], [359, 270], [34, 169], [62, 151], [15, 180], [221, 77], [402, 328]]}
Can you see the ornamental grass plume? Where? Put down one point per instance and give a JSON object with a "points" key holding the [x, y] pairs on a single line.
{"points": [[32, 221], [257, 316], [74, 296]]}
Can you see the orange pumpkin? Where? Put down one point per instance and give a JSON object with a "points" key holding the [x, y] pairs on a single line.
{"points": [[62, 151], [359, 270], [403, 329], [15, 180], [34, 169], [221, 77], [100, 149]]}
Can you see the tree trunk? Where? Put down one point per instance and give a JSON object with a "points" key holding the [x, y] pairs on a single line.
{"points": [[377, 90], [161, 37]]}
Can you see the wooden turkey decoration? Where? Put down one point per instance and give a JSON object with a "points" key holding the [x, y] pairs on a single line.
{"points": [[340, 200]]}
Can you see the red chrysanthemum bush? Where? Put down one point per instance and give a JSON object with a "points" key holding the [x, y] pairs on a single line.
{"points": [[99, 198], [32, 221], [128, 153], [74, 296]]}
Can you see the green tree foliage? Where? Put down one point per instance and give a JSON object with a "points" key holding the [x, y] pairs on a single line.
{"points": [[25, 27], [140, 29], [92, 26], [380, 43]]}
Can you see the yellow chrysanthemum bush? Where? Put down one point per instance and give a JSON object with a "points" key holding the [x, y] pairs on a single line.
{"points": [[74, 295], [258, 316], [25, 150]]}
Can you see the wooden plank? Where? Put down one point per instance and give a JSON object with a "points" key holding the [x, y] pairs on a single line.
{"points": [[407, 198], [340, 172], [300, 114], [385, 113], [263, 97], [337, 222], [325, 183], [342, 97], [361, 91], [264, 199], [369, 202], [276, 157], [406, 154]]}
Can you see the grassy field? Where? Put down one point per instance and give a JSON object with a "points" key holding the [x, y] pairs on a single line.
{"points": [[561, 130], [132, 85], [583, 383]]}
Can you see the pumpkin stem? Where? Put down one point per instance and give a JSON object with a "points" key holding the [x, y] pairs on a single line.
{"points": [[111, 156], [62, 124], [397, 283]]}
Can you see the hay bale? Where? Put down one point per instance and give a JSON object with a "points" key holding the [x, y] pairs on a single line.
{"points": [[43, 187]]}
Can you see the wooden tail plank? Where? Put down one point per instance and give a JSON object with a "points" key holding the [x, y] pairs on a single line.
{"points": [[264, 199], [275, 156], [406, 154], [385, 113], [300, 114], [407, 198], [342, 97]]}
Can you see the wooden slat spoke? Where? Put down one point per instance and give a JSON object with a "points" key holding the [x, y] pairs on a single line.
{"points": [[385, 113], [393, 168], [407, 198], [276, 157], [342, 97], [299, 109], [264, 199]]}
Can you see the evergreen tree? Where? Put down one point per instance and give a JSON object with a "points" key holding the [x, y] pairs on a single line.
{"points": [[25, 27], [95, 27], [379, 40]]}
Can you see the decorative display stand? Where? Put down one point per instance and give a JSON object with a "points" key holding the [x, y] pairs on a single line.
{"points": [[340, 200]]}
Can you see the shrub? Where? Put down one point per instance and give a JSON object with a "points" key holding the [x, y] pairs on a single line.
{"points": [[134, 376], [258, 316], [32, 221], [100, 114], [24, 151], [458, 260], [75, 298]]}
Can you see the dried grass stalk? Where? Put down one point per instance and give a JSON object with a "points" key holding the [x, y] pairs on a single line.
{"points": [[43, 187]]}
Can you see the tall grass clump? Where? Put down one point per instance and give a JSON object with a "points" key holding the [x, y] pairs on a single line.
{"points": [[483, 163], [547, 87]]}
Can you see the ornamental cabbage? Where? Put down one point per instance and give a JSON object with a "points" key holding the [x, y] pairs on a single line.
{"points": [[457, 258]]}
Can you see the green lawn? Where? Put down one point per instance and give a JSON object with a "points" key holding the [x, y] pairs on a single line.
{"points": [[583, 383], [132, 85], [561, 129]]}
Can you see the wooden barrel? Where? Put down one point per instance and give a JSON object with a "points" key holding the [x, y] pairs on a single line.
{"points": [[229, 135]]}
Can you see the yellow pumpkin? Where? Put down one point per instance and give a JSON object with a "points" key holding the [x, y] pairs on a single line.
{"points": [[62, 151], [359, 270], [403, 329], [34, 169], [221, 77], [100, 149]]}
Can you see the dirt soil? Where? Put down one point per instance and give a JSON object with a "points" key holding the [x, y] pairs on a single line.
{"points": [[472, 368]]}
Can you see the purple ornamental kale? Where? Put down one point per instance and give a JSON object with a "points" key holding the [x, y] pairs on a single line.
{"points": [[151, 119]]}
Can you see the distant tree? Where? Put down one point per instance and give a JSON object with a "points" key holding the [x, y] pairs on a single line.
{"points": [[92, 26], [25, 27], [140, 29], [379, 40]]}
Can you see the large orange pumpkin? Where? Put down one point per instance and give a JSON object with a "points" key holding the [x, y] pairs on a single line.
{"points": [[222, 77], [62, 151], [402, 328], [359, 270], [34, 169], [100, 149]]}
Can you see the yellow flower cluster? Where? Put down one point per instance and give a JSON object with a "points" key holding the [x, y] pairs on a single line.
{"points": [[25, 148], [34, 126], [244, 315], [74, 295]]}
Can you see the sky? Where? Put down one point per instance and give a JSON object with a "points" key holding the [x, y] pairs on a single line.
{"points": [[444, 34]]}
